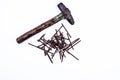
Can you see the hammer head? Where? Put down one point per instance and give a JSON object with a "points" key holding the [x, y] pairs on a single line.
{"points": [[66, 13]]}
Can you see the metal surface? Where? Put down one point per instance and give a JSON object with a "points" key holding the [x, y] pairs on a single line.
{"points": [[66, 13]]}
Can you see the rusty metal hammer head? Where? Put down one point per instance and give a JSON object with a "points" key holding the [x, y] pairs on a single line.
{"points": [[66, 13]]}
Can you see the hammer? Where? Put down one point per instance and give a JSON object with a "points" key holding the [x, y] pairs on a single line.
{"points": [[65, 14]]}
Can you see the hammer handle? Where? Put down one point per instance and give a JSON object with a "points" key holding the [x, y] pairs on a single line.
{"points": [[39, 28]]}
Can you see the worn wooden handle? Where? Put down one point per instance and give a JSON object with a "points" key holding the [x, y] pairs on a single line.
{"points": [[39, 28]]}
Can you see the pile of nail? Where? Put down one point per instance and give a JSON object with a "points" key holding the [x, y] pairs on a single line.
{"points": [[57, 44]]}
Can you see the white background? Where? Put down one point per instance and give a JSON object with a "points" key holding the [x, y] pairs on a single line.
{"points": [[97, 23]]}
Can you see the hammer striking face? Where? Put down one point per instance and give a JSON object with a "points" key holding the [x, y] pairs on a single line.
{"points": [[65, 14]]}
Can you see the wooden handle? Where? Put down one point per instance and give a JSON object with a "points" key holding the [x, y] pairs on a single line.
{"points": [[39, 28]]}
